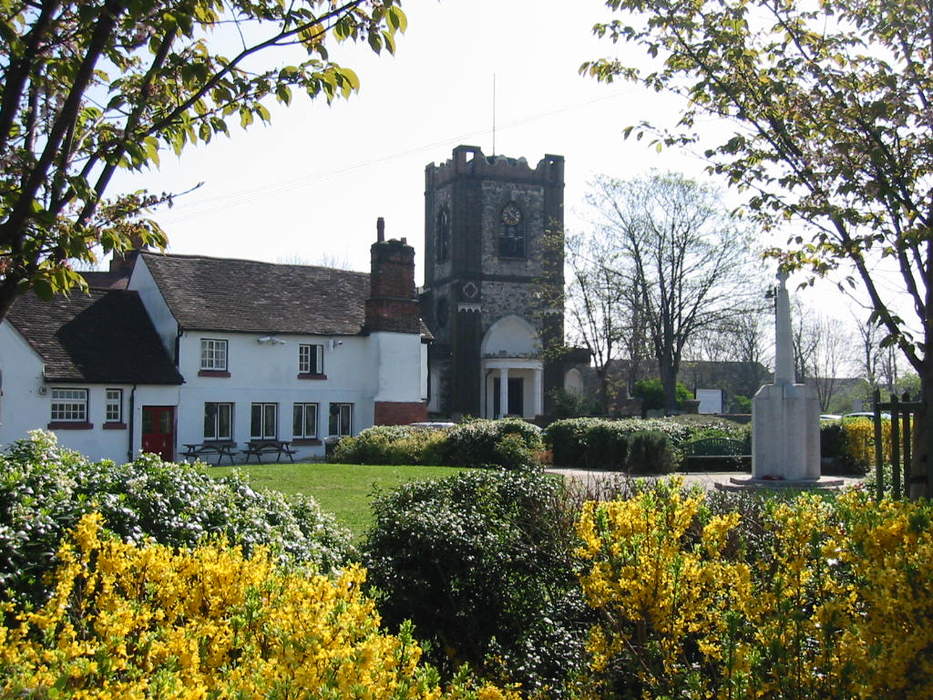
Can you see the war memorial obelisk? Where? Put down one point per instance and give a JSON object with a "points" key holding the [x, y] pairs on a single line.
{"points": [[785, 418]]}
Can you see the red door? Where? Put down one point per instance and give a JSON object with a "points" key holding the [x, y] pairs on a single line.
{"points": [[159, 431]]}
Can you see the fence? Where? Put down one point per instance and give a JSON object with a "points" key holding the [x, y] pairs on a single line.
{"points": [[904, 414]]}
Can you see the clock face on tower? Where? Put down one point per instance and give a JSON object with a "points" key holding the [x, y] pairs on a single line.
{"points": [[511, 215]]}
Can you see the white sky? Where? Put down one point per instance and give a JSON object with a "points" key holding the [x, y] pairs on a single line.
{"points": [[310, 185]]}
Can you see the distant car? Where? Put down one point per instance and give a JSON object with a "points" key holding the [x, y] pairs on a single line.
{"points": [[865, 414], [830, 416], [433, 425]]}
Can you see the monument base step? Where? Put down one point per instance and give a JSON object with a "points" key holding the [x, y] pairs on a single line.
{"points": [[753, 484]]}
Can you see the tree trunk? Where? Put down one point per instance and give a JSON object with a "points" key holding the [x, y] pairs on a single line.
{"points": [[7, 297], [920, 465], [669, 382], [602, 398]]}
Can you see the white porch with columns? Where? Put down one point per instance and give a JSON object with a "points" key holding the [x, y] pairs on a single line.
{"points": [[505, 368]]}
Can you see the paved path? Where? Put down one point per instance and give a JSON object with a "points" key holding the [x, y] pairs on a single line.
{"points": [[708, 480]]}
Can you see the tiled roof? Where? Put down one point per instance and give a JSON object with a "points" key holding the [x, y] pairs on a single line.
{"points": [[224, 294], [101, 337]]}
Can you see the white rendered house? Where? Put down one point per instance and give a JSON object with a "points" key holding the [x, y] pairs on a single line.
{"points": [[223, 350]]}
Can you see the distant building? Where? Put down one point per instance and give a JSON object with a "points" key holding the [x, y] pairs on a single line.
{"points": [[181, 349], [487, 255]]}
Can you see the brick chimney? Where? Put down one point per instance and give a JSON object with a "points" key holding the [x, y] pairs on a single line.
{"points": [[122, 263], [392, 304]]}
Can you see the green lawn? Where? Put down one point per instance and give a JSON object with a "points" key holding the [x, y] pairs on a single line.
{"points": [[342, 489]]}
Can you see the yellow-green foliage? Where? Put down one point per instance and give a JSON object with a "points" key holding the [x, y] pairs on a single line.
{"points": [[834, 602], [138, 622], [859, 440]]}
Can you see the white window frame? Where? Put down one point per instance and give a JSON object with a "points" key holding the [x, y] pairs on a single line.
{"points": [[220, 407], [113, 406], [342, 429], [69, 405], [214, 354], [310, 358], [265, 408], [300, 413]]}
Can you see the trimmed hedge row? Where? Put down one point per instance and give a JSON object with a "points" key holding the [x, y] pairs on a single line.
{"points": [[634, 445], [507, 443]]}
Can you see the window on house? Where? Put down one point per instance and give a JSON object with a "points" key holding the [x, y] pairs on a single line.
{"points": [[213, 354], [512, 232], [218, 421], [263, 423], [113, 408], [304, 420], [69, 405], [341, 419], [442, 237], [311, 359]]}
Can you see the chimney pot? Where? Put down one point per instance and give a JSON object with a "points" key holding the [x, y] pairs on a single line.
{"points": [[380, 229]]}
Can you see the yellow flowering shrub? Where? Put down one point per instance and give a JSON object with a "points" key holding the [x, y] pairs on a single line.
{"points": [[838, 604], [127, 621], [859, 440]]}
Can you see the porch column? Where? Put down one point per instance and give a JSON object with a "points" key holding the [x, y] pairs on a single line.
{"points": [[538, 400], [503, 391]]}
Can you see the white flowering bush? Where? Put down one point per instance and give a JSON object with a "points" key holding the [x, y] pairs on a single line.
{"points": [[45, 489]]}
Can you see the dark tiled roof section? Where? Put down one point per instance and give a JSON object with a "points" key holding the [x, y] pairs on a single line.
{"points": [[101, 337], [224, 294]]}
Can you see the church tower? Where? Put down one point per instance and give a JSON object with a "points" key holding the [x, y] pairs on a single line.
{"points": [[493, 257]]}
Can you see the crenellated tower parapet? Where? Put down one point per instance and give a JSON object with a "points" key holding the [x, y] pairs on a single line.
{"points": [[470, 161]]}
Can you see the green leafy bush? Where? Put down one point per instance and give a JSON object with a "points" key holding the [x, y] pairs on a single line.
{"points": [[570, 404], [45, 489], [650, 452], [651, 393], [482, 564], [508, 443], [596, 443], [391, 444]]}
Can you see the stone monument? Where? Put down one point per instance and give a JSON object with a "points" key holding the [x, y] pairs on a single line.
{"points": [[785, 418]]}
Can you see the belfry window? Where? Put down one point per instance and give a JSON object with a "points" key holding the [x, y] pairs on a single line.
{"points": [[442, 235], [512, 232]]}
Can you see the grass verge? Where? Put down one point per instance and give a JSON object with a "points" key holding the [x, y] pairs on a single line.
{"points": [[342, 489]]}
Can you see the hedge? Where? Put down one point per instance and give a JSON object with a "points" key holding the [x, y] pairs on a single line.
{"points": [[508, 443], [597, 443]]}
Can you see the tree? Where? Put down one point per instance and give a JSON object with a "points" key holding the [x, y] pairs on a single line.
{"points": [[744, 339], [90, 87], [604, 313], [681, 252], [822, 350], [830, 104], [651, 393]]}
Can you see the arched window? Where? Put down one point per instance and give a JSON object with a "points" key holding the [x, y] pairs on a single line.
{"points": [[442, 235], [511, 232]]}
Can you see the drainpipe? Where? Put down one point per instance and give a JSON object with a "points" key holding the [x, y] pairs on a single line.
{"points": [[129, 448]]}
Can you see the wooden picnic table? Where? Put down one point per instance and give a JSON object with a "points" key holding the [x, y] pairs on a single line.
{"points": [[221, 448], [258, 448]]}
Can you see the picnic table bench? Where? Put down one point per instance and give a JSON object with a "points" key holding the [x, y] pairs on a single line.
{"points": [[706, 450], [258, 448], [221, 448]]}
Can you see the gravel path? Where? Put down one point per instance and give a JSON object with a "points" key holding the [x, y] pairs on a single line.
{"points": [[593, 479]]}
